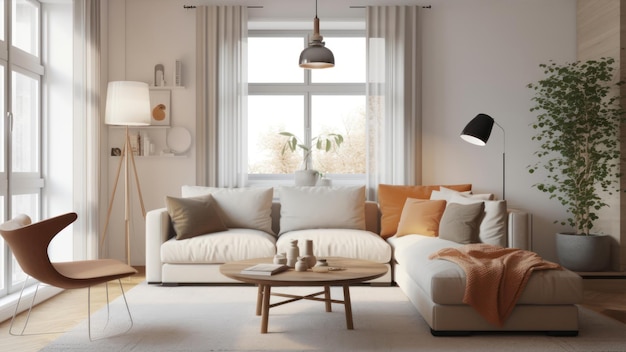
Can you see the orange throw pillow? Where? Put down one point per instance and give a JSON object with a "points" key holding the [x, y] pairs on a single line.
{"points": [[421, 217], [391, 200]]}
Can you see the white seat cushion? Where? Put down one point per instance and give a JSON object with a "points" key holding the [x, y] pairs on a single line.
{"points": [[348, 243], [444, 281], [219, 247]]}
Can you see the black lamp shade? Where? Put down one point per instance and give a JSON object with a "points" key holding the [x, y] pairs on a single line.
{"points": [[478, 130]]}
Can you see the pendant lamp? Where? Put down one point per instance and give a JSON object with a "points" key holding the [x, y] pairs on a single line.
{"points": [[316, 55]]}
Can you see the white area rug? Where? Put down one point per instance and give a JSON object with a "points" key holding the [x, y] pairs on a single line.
{"points": [[222, 318]]}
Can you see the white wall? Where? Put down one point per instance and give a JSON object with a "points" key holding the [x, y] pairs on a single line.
{"points": [[479, 55], [141, 34]]}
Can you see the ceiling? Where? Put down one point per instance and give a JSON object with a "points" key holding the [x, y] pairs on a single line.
{"points": [[304, 10]]}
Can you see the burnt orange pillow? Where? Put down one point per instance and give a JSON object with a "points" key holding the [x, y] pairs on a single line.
{"points": [[421, 217], [391, 200]]}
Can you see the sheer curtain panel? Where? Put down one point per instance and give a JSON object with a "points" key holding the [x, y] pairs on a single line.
{"points": [[393, 96], [87, 126], [221, 95]]}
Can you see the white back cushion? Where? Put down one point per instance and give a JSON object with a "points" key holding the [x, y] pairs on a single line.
{"points": [[322, 207]]}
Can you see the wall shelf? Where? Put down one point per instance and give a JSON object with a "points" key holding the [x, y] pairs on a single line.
{"points": [[166, 87]]}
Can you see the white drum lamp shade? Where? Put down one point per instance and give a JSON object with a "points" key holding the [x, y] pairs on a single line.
{"points": [[128, 104]]}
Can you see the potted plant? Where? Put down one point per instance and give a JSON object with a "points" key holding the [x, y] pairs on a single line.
{"points": [[324, 142], [578, 126]]}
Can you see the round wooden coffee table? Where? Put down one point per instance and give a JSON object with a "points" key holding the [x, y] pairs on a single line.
{"points": [[352, 271]]}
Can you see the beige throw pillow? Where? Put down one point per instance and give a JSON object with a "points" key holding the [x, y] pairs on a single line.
{"points": [[460, 222], [194, 216]]}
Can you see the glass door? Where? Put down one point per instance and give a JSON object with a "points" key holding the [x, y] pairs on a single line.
{"points": [[21, 179]]}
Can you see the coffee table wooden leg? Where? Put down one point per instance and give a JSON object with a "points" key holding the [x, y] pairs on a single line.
{"points": [[259, 300], [348, 306], [327, 298], [266, 308]]}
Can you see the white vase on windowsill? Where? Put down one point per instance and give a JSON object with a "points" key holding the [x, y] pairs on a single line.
{"points": [[306, 177]]}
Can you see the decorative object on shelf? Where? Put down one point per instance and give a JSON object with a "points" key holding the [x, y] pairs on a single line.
{"points": [[301, 264], [578, 126], [127, 104], [147, 148], [160, 107], [323, 142], [159, 75], [477, 132], [178, 73], [316, 55], [307, 253], [178, 139], [292, 254]]}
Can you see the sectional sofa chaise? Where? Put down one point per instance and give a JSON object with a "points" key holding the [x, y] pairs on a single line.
{"points": [[189, 239]]}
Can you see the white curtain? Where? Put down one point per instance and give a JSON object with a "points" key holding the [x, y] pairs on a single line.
{"points": [[86, 120], [221, 95], [393, 96]]}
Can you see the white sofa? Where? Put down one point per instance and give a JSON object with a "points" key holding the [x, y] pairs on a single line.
{"points": [[348, 229], [436, 287]]}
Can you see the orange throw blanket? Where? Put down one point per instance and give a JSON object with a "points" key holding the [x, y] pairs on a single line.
{"points": [[495, 276]]}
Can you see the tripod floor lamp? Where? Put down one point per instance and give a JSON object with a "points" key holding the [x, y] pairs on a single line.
{"points": [[477, 132], [128, 104]]}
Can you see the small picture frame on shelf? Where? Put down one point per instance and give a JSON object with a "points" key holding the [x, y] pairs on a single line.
{"points": [[160, 107]]}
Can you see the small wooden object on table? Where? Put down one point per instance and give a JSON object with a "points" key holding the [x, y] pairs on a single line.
{"points": [[352, 271]]}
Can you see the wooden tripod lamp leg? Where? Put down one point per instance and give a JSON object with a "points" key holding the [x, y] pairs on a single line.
{"points": [[117, 178]]}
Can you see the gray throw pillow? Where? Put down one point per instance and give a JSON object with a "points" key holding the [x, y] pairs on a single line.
{"points": [[461, 222], [194, 216]]}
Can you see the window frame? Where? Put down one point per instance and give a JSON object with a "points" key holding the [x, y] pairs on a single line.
{"points": [[307, 90]]}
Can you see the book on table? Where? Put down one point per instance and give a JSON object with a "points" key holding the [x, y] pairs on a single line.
{"points": [[265, 269]]}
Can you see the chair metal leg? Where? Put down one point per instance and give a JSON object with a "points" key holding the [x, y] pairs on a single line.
{"points": [[32, 303], [130, 317], [17, 306]]}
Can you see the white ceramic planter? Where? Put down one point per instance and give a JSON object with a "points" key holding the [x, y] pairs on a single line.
{"points": [[306, 177]]}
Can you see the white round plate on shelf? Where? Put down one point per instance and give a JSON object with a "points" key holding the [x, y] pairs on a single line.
{"points": [[178, 139]]}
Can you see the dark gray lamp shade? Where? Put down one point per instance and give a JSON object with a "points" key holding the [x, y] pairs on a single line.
{"points": [[478, 130], [316, 55]]}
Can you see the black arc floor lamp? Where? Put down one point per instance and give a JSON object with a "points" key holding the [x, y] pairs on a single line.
{"points": [[477, 132]]}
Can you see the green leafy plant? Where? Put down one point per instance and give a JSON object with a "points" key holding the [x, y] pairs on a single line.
{"points": [[324, 142], [578, 127]]}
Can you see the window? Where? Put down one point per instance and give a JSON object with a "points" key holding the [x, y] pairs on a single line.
{"points": [[21, 73], [284, 97]]}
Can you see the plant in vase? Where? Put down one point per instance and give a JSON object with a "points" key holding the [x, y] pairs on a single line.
{"points": [[325, 142], [578, 127]]}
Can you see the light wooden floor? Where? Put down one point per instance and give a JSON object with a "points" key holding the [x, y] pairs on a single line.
{"points": [[62, 313], [607, 296]]}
